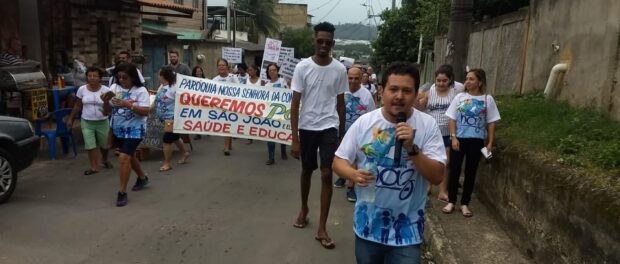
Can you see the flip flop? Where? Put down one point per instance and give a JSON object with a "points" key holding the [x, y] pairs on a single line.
{"points": [[90, 172], [467, 212], [326, 242], [303, 224], [163, 169], [447, 210]]}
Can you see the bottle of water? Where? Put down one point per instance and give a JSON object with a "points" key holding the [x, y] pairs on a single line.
{"points": [[367, 194]]}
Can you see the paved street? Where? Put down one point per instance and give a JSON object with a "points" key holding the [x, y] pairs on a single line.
{"points": [[215, 209]]}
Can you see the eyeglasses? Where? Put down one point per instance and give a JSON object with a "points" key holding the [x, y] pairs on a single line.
{"points": [[324, 41]]}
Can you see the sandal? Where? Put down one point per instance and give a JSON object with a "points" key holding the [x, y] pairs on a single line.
{"points": [[184, 159], [448, 209], [226, 152], [326, 242], [162, 168], [90, 172], [466, 212], [302, 224], [107, 165], [270, 162]]}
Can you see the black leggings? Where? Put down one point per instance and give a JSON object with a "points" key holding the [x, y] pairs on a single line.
{"points": [[470, 151]]}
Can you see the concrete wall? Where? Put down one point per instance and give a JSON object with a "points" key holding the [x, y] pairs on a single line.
{"points": [[517, 53], [587, 32], [551, 214], [292, 15]]}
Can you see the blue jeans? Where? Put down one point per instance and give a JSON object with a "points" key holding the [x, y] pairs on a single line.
{"points": [[271, 149], [367, 252]]}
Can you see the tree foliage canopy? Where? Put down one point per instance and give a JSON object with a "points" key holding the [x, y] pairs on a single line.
{"points": [[397, 39], [265, 20], [300, 39]]}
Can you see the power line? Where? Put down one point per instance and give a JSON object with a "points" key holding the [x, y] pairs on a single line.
{"points": [[322, 5], [333, 8]]}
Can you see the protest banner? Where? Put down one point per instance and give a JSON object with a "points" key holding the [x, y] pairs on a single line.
{"points": [[270, 55], [284, 53], [232, 55], [288, 67], [231, 109]]}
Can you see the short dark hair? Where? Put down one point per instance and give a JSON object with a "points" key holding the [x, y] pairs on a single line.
{"points": [[124, 52], [242, 66], [94, 69], [130, 70], [402, 68], [324, 26], [273, 64], [174, 51], [167, 72], [446, 69]]}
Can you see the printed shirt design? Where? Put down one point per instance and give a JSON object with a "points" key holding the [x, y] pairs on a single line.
{"points": [[471, 120], [396, 217], [354, 108], [164, 102], [125, 123]]}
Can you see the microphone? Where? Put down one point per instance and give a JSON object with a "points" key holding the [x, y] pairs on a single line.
{"points": [[401, 117]]}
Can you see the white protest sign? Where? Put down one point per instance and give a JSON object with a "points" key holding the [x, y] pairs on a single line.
{"points": [[232, 55], [288, 67], [348, 62], [208, 107], [271, 55], [285, 52]]}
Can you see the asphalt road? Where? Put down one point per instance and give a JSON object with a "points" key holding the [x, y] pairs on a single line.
{"points": [[215, 209]]}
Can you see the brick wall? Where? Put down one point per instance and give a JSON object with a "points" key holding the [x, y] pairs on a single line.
{"points": [[124, 28]]}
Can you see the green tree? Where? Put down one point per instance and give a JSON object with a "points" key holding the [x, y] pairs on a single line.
{"points": [[433, 18], [300, 39], [397, 39], [265, 20]]}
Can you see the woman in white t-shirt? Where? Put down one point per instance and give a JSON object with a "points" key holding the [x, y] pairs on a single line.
{"points": [[472, 117], [253, 79], [435, 102], [223, 75], [276, 82], [94, 121]]}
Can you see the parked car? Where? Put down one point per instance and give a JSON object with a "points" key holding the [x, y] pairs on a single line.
{"points": [[18, 148]]}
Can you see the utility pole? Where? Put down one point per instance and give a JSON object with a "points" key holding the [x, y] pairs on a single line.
{"points": [[393, 4], [458, 36], [228, 21], [234, 5]]}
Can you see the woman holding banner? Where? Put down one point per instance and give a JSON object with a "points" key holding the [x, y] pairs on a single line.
{"points": [[276, 82], [253, 79], [199, 73], [164, 110], [223, 75]]}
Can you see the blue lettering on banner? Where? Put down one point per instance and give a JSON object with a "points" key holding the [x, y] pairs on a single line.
{"points": [[230, 91], [398, 180], [255, 94], [191, 113], [287, 97], [198, 86], [263, 122], [215, 115], [275, 96]]}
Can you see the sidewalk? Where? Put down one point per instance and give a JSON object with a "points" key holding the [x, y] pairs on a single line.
{"points": [[452, 238]]}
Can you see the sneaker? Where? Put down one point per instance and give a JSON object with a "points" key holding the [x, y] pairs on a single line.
{"points": [[351, 196], [140, 184], [121, 200], [340, 182]]}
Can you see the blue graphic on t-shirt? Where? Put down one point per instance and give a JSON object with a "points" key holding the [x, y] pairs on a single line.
{"points": [[164, 104], [353, 109], [472, 119], [124, 122]]}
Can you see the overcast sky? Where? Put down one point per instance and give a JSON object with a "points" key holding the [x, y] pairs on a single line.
{"points": [[336, 11]]}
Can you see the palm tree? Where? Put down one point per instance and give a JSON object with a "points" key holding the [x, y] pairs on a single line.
{"points": [[265, 20]]}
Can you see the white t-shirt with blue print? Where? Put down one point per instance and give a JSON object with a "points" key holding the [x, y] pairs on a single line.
{"points": [[280, 83], [472, 114], [124, 122], [396, 217], [356, 104], [164, 103]]}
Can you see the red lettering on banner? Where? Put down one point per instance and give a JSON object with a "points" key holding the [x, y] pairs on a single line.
{"points": [[260, 110], [204, 101], [215, 102], [240, 129], [206, 126], [225, 103], [233, 105], [184, 99], [187, 125], [268, 133]]}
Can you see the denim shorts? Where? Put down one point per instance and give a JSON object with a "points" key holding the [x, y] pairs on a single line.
{"points": [[368, 252]]}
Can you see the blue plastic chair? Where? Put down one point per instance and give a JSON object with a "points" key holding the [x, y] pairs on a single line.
{"points": [[65, 134]]}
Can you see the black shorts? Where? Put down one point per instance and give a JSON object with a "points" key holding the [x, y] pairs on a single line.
{"points": [[170, 138], [127, 145], [325, 141]]}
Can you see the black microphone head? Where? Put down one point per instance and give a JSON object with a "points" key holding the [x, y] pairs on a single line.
{"points": [[401, 117]]}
